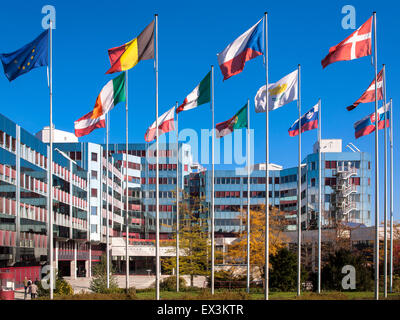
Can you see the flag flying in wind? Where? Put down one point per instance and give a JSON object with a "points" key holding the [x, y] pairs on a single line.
{"points": [[200, 95], [129, 54], [279, 93], [165, 124], [248, 46], [30, 56], [355, 46], [87, 124], [112, 94], [308, 121], [369, 95], [239, 120], [366, 125]]}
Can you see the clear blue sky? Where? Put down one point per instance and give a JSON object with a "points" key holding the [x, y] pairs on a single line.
{"points": [[190, 35]]}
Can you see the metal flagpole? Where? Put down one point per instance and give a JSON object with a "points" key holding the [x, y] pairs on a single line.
{"points": [[376, 171], [127, 188], [212, 184], [266, 253], [107, 213], [391, 197], [51, 164], [157, 169], [299, 194], [177, 202], [385, 190], [319, 196], [248, 196]]}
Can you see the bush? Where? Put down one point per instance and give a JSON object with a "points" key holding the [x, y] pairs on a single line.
{"points": [[99, 282], [169, 284], [62, 287], [226, 279]]}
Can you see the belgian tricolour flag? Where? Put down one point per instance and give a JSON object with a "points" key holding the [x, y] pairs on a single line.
{"points": [[128, 55]]}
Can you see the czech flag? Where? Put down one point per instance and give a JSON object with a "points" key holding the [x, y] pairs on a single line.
{"points": [[248, 46], [366, 125], [309, 121]]}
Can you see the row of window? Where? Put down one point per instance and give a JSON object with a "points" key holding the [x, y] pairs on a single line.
{"points": [[236, 180], [236, 194], [160, 180]]}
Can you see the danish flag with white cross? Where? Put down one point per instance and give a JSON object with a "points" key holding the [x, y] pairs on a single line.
{"points": [[355, 46]]}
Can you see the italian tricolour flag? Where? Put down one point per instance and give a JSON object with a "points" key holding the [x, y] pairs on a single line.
{"points": [[112, 94], [200, 95]]}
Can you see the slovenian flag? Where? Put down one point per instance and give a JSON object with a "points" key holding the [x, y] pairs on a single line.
{"points": [[309, 121], [248, 46], [366, 125]]}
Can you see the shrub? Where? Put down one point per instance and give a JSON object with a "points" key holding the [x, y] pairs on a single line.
{"points": [[226, 279], [99, 282], [62, 287], [169, 284]]}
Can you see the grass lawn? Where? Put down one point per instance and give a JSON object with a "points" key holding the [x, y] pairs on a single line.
{"points": [[226, 295]]}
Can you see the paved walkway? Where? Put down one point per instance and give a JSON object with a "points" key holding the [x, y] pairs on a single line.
{"points": [[139, 282]]}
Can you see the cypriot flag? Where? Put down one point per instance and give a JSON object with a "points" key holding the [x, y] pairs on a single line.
{"points": [[279, 93]]}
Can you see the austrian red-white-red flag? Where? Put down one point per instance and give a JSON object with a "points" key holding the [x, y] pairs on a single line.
{"points": [[88, 123], [165, 124], [369, 95], [355, 46]]}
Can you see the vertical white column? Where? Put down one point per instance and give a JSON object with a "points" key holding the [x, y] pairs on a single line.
{"points": [[385, 269], [266, 253], [248, 196], [376, 171], [126, 191], [177, 201], [157, 169], [51, 164], [321, 209], [299, 193], [212, 185], [391, 198]]}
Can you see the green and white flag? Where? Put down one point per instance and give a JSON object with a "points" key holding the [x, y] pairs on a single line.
{"points": [[200, 95]]}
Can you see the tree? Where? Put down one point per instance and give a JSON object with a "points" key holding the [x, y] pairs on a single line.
{"points": [[283, 275], [194, 241], [237, 252], [99, 282], [332, 272]]}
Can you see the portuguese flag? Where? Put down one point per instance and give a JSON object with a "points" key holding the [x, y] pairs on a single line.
{"points": [[239, 120], [129, 54], [200, 95], [112, 94]]}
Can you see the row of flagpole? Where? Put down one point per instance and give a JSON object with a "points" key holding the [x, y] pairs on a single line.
{"points": [[266, 185]]}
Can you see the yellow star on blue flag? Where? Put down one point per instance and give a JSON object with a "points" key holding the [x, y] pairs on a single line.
{"points": [[30, 56]]}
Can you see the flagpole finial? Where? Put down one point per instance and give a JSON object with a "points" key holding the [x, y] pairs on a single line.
{"points": [[266, 12], [156, 14]]}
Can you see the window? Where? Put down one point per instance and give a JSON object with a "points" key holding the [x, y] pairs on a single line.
{"points": [[327, 198], [186, 167], [313, 182], [94, 175], [313, 198], [93, 210], [94, 156], [312, 165], [93, 228], [94, 192]]}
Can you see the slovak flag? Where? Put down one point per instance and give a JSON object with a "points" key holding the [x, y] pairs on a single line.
{"points": [[366, 125], [355, 46], [248, 46], [309, 121]]}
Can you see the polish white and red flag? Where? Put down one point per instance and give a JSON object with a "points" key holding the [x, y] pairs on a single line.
{"points": [[165, 124], [355, 46], [369, 94]]}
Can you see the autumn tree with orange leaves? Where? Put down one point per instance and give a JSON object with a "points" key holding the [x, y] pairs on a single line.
{"points": [[237, 252]]}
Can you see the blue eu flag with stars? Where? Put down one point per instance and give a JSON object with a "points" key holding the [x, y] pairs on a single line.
{"points": [[30, 56]]}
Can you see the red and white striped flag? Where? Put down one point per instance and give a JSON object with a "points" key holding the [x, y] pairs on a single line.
{"points": [[165, 124], [369, 94], [355, 46], [87, 124]]}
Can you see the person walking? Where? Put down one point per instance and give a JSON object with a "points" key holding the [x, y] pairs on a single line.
{"points": [[25, 287], [34, 289]]}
